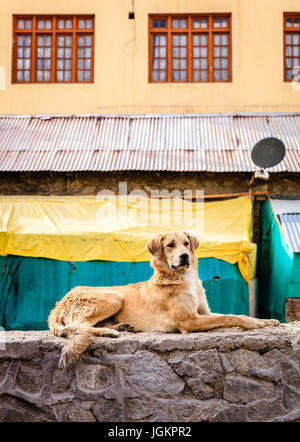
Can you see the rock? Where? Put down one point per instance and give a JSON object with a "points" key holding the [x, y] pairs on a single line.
{"points": [[241, 389]]}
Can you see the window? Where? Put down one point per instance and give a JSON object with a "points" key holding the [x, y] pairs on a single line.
{"points": [[291, 46], [190, 48], [53, 49]]}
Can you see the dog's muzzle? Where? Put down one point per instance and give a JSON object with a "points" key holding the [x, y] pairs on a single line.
{"points": [[184, 261]]}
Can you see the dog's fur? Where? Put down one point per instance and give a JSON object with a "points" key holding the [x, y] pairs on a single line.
{"points": [[172, 300]]}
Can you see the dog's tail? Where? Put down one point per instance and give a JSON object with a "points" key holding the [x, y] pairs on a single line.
{"points": [[78, 336]]}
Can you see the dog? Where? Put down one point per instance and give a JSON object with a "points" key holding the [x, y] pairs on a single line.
{"points": [[172, 300]]}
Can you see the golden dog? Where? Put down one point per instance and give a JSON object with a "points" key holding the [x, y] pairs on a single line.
{"points": [[172, 300]]}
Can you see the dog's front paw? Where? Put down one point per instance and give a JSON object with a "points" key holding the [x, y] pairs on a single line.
{"points": [[270, 322], [126, 327], [110, 334]]}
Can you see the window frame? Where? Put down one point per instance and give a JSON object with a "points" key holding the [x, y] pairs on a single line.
{"points": [[189, 31], [54, 32], [285, 31]]}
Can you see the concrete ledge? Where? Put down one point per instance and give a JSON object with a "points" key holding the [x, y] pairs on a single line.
{"points": [[225, 375]]}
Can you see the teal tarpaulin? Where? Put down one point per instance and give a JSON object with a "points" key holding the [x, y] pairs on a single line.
{"points": [[30, 287], [278, 268]]}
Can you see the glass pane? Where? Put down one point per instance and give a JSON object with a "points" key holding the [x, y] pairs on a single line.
{"points": [[203, 40], [289, 62], [89, 24], [28, 24], [217, 39], [296, 63], [196, 76], [80, 63], [196, 40], [183, 75], [67, 76], [80, 41], [224, 23], [26, 64], [224, 76], [217, 63], [176, 40], [80, 75], [296, 39], [288, 38], [68, 41], [155, 64], [203, 75], [163, 40], [182, 52], [47, 76], [69, 24], [183, 64], [41, 24], [80, 52], [48, 24], [217, 22], [60, 53], [176, 63], [288, 51], [296, 51], [47, 52], [162, 75], [60, 64], [163, 64], [162, 23], [81, 24], [39, 63], [67, 64], [162, 52], [20, 41], [21, 24], [88, 63], [68, 53], [224, 52], [155, 23], [59, 75], [203, 52], [87, 76], [204, 23], [203, 63], [183, 40], [47, 63], [224, 63], [175, 52], [20, 52], [26, 75], [27, 40], [48, 41], [176, 75], [289, 22], [88, 40], [155, 76], [183, 24], [289, 74], [88, 52], [196, 64], [39, 75], [196, 52], [296, 22], [20, 75], [224, 40], [20, 64], [61, 41], [196, 23], [61, 24], [26, 52], [175, 23], [217, 75]]}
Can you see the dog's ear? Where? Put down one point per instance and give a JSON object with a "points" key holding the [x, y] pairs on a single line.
{"points": [[154, 246], [194, 243]]}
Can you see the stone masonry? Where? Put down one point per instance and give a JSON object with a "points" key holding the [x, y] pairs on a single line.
{"points": [[223, 375]]}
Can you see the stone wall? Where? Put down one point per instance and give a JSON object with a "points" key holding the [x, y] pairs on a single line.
{"points": [[225, 375]]}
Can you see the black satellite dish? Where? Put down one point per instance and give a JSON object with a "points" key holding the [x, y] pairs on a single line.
{"points": [[268, 152]]}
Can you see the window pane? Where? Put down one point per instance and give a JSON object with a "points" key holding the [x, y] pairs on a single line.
{"points": [[26, 75], [81, 24], [288, 38], [182, 24], [217, 39], [217, 63], [28, 24], [67, 76], [196, 64], [288, 22], [162, 75], [196, 76], [224, 40], [203, 63], [155, 75], [200, 23], [224, 52], [296, 22], [60, 75], [224, 23], [217, 75], [176, 75], [20, 75], [203, 52], [224, 63], [87, 76], [224, 76], [289, 62], [296, 39], [203, 75], [175, 23], [217, 22], [155, 23], [80, 75], [196, 52], [21, 24], [296, 51]]}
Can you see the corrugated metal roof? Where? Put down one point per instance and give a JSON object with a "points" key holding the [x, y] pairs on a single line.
{"points": [[288, 211], [291, 228], [194, 142]]}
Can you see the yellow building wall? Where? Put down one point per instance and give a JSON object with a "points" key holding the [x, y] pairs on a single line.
{"points": [[121, 61]]}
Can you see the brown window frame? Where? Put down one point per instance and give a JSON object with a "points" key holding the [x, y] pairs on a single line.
{"points": [[54, 32], [189, 31], [289, 30]]}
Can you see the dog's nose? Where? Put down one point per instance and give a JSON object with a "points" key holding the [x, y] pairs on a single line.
{"points": [[184, 258]]}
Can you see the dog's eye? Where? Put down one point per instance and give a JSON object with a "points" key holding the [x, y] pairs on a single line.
{"points": [[186, 243], [171, 244]]}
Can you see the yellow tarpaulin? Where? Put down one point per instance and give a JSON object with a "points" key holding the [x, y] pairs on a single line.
{"points": [[117, 228]]}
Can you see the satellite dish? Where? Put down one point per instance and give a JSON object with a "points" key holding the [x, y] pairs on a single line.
{"points": [[268, 152]]}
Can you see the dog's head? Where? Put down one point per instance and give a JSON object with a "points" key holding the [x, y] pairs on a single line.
{"points": [[173, 251]]}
